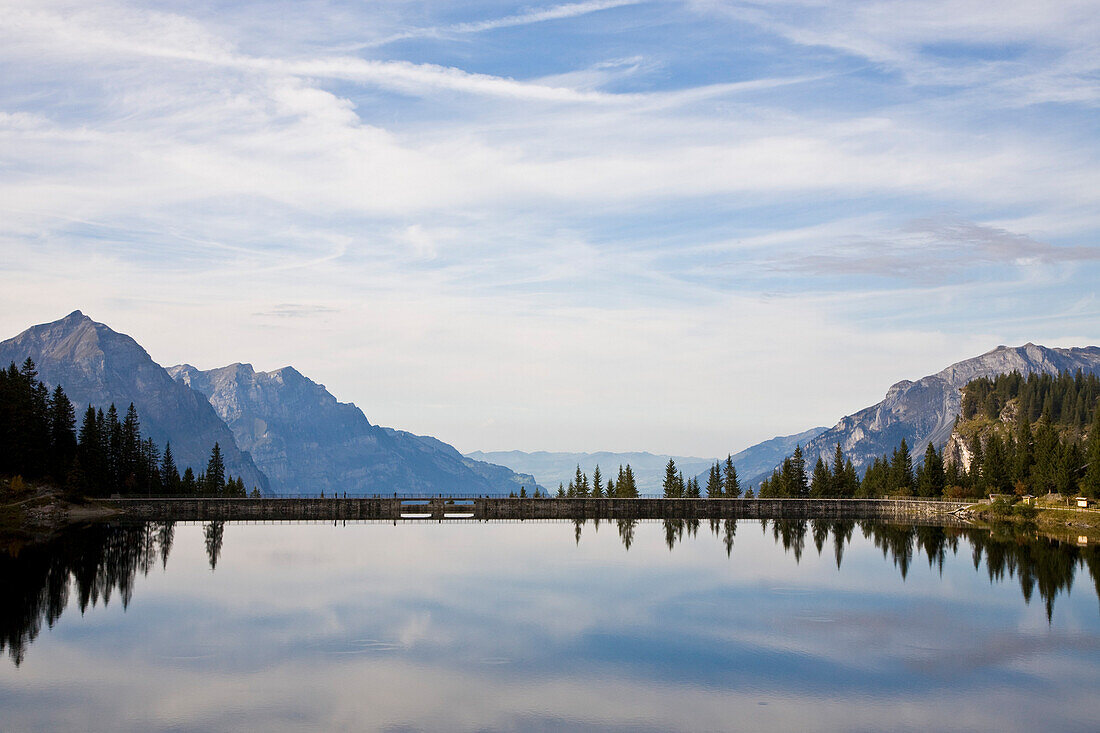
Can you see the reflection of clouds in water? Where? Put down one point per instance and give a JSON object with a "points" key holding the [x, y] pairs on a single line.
{"points": [[415, 629], [622, 640]]}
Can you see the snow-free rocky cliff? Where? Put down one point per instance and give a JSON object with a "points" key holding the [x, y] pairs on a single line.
{"points": [[98, 366], [306, 441], [924, 411]]}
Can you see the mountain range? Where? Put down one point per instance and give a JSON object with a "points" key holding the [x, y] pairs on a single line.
{"points": [[307, 441], [284, 433], [279, 431], [924, 411]]}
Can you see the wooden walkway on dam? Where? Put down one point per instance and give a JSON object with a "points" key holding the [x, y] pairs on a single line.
{"points": [[497, 508]]}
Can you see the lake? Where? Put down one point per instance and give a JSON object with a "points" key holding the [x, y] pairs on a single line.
{"points": [[549, 626]]}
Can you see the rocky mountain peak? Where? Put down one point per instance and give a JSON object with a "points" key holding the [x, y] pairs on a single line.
{"points": [[99, 366], [306, 440], [924, 411]]}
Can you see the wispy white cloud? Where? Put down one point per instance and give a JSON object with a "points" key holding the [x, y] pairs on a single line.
{"points": [[528, 17], [1025, 53], [450, 247], [541, 15]]}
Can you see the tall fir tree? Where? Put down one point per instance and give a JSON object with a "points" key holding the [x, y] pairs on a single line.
{"points": [[671, 484], [731, 486], [932, 476], [714, 482], [62, 434], [130, 449], [839, 485], [1025, 449], [799, 484], [215, 471], [1090, 484], [170, 474], [994, 466], [819, 482]]}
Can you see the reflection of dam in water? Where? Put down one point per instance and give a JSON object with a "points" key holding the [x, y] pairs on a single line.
{"points": [[469, 507]]}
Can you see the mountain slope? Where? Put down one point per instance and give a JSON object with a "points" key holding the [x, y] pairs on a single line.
{"points": [[759, 459], [96, 365], [306, 441], [924, 411]]}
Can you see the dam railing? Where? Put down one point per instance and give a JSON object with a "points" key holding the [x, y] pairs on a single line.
{"points": [[475, 507]]}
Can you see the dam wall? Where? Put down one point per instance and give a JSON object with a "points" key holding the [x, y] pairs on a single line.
{"points": [[489, 508]]}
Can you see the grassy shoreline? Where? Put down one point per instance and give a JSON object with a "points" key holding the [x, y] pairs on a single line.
{"points": [[40, 510], [1060, 522]]}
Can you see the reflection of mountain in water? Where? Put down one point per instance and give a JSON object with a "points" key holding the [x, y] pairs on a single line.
{"points": [[99, 561]]}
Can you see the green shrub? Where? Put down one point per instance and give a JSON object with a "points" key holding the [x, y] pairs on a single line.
{"points": [[1001, 507], [1025, 511]]}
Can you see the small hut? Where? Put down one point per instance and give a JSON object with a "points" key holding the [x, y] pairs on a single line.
{"points": [[1083, 502]]}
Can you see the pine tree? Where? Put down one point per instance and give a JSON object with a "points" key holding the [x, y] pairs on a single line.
{"points": [[851, 479], [597, 483], [1069, 469], [62, 433], [114, 447], [170, 474], [90, 454], [150, 456], [1025, 450], [1090, 485], [932, 478], [901, 471], [691, 489], [130, 449], [1044, 472], [671, 485], [731, 486], [215, 471], [994, 468], [714, 482], [188, 484], [977, 460], [951, 480], [800, 484], [838, 486], [819, 482], [628, 487], [580, 483]]}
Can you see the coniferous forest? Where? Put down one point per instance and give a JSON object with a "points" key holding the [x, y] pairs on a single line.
{"points": [[107, 454]]}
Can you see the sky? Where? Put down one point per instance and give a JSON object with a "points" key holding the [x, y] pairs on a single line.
{"points": [[665, 225]]}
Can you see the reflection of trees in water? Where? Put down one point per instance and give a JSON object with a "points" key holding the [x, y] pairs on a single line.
{"points": [[674, 531], [95, 561], [213, 533], [726, 529], [626, 531], [1037, 563], [792, 532]]}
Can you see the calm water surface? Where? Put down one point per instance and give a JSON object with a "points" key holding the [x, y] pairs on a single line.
{"points": [[547, 627]]}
